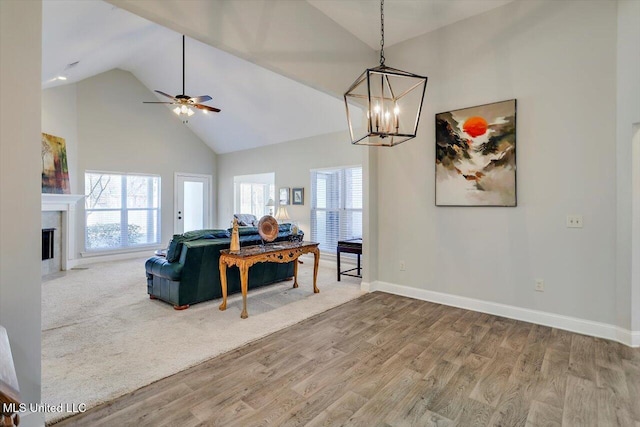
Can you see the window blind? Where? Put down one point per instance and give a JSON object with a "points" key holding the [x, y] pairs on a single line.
{"points": [[336, 206]]}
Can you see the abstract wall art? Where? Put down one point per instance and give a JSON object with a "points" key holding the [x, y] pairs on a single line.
{"points": [[476, 156], [55, 172]]}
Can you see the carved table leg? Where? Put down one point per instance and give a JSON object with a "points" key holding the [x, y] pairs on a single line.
{"points": [[9, 420], [223, 284], [244, 284], [316, 261], [295, 273]]}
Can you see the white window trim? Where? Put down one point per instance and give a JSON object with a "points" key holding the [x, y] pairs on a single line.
{"points": [[126, 249]]}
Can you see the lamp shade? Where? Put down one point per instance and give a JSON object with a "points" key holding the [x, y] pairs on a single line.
{"points": [[282, 213], [384, 105], [270, 203]]}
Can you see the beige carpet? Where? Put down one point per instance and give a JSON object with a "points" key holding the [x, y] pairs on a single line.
{"points": [[103, 337]]}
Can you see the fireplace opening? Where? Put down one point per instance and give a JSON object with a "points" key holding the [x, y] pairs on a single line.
{"points": [[47, 243]]}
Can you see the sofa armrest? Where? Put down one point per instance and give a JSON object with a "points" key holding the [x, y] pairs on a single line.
{"points": [[159, 266]]}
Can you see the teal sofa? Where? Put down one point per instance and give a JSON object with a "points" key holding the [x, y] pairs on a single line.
{"points": [[189, 273]]}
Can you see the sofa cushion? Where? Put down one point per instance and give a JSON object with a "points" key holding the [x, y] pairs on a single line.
{"points": [[205, 234], [246, 219], [245, 231], [175, 247]]}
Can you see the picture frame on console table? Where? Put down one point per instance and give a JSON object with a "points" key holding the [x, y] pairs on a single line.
{"points": [[297, 196], [284, 196], [476, 156]]}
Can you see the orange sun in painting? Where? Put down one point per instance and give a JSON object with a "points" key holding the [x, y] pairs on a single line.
{"points": [[475, 126]]}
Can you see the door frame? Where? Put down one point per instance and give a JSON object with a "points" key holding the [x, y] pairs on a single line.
{"points": [[177, 176]]}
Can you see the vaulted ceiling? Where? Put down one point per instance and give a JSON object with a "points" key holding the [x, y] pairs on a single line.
{"points": [[281, 81]]}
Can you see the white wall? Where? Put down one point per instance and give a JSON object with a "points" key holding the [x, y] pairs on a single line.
{"points": [[559, 60], [292, 163], [59, 118], [20, 186], [628, 113], [117, 133]]}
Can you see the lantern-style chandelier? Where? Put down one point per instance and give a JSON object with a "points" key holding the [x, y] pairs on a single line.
{"points": [[384, 104]]}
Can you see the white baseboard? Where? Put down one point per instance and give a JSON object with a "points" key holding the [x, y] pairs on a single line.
{"points": [[112, 257], [573, 324]]}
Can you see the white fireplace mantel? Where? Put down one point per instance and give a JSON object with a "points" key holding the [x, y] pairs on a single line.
{"points": [[65, 203], [59, 202]]}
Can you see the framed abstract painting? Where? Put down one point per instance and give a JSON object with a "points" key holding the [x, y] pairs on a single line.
{"points": [[476, 156], [55, 172]]}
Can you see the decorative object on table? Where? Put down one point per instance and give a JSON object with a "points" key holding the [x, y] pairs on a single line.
{"points": [[55, 172], [185, 103], [268, 228], [476, 156], [297, 196], [270, 204], [384, 104], [282, 214], [235, 237], [284, 196], [296, 236]]}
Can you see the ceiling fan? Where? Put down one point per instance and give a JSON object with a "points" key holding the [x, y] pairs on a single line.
{"points": [[185, 102]]}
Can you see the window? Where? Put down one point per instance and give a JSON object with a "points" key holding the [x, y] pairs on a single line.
{"points": [[121, 211], [336, 206], [252, 194]]}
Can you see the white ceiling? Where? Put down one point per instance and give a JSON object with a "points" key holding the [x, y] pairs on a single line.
{"points": [[259, 107], [403, 19]]}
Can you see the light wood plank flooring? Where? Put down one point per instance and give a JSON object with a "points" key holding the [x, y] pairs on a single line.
{"points": [[385, 360]]}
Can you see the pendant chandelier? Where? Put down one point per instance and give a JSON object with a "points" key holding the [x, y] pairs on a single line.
{"points": [[384, 103]]}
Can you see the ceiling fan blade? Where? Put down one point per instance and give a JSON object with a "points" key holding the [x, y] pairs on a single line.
{"points": [[166, 94], [206, 107], [157, 102], [199, 99]]}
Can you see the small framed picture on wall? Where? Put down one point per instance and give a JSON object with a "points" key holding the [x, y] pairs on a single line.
{"points": [[284, 196], [297, 196]]}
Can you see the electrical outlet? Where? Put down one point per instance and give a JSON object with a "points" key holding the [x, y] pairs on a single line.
{"points": [[574, 221], [539, 285], [403, 266]]}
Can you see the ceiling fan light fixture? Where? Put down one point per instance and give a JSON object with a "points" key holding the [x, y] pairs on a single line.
{"points": [[384, 104], [184, 103]]}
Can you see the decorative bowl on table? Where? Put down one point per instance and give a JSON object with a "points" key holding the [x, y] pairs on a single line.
{"points": [[268, 228]]}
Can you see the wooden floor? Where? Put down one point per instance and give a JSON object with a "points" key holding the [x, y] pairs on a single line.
{"points": [[388, 360]]}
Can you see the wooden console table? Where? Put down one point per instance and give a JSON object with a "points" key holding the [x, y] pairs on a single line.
{"points": [[280, 252], [9, 390]]}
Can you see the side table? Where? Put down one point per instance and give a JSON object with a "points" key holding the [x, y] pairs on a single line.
{"points": [[352, 246]]}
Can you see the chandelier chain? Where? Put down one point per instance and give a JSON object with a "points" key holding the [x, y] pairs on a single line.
{"points": [[382, 32]]}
